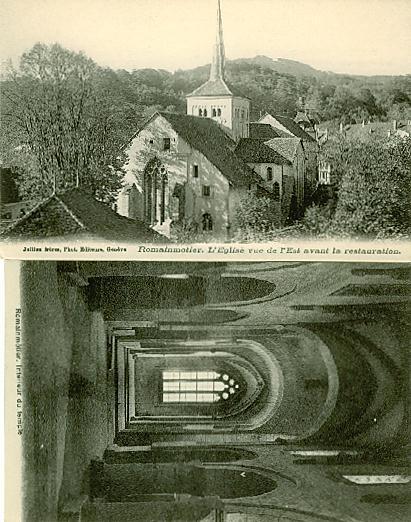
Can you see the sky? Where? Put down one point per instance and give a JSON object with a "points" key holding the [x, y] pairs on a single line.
{"points": [[345, 36]]}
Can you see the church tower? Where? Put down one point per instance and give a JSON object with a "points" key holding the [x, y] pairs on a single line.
{"points": [[215, 99]]}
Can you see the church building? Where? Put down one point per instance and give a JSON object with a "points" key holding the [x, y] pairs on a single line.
{"points": [[194, 169]]}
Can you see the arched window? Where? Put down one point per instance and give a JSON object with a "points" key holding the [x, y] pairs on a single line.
{"points": [[207, 222], [214, 113], [218, 112], [269, 174], [200, 112], [276, 191], [195, 386], [205, 113]]}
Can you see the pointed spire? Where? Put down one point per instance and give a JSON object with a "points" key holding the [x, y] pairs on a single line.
{"points": [[217, 66]]}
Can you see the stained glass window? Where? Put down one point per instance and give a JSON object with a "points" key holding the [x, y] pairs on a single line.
{"points": [[197, 386]]}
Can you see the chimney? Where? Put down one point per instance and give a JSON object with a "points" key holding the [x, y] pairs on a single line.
{"points": [[394, 125]]}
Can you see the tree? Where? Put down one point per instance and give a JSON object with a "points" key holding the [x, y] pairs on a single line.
{"points": [[374, 193], [373, 190], [62, 123], [257, 214]]}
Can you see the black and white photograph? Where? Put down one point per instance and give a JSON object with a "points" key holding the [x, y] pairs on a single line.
{"points": [[202, 120], [212, 392], [205, 222]]}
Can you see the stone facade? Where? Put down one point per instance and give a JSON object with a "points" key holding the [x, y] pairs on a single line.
{"points": [[189, 186]]}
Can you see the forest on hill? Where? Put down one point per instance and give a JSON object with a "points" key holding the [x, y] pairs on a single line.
{"points": [[330, 96]]}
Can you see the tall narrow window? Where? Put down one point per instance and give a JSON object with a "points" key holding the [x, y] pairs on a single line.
{"points": [[163, 195], [269, 174], [276, 191], [205, 113], [218, 112], [206, 191], [214, 113], [200, 112], [207, 222], [166, 143], [197, 386], [195, 171]]}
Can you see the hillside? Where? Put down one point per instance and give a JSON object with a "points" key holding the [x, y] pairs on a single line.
{"points": [[284, 86]]}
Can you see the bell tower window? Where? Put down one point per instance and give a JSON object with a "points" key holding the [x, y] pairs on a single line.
{"points": [[218, 112], [205, 113], [200, 112], [214, 113], [197, 386]]}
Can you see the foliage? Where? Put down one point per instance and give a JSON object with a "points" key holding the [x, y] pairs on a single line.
{"points": [[256, 214], [61, 124], [184, 231], [374, 180], [317, 220]]}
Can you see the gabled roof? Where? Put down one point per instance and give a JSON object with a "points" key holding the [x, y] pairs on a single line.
{"points": [[206, 136], [256, 151], [218, 87], [76, 213], [264, 131], [292, 127], [302, 116], [287, 147]]}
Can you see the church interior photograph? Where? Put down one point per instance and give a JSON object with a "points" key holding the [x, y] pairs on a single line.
{"points": [[215, 392]]}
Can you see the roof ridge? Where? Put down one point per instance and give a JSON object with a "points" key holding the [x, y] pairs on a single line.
{"points": [[71, 213], [26, 216], [140, 128], [222, 143]]}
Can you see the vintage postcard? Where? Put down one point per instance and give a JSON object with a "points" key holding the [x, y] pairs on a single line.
{"points": [[206, 225], [205, 121], [207, 392]]}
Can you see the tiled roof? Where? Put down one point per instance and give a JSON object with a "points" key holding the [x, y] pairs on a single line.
{"points": [[379, 128], [264, 131], [294, 128], [217, 87], [256, 151], [287, 147], [207, 137], [364, 130], [76, 213]]}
